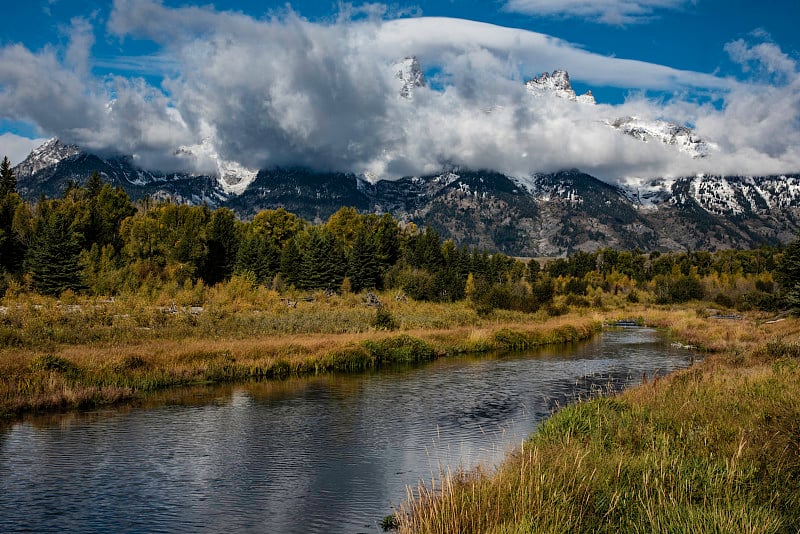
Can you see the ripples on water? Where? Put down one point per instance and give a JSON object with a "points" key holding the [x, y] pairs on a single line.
{"points": [[324, 454]]}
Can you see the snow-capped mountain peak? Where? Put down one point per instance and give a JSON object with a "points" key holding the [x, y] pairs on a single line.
{"points": [[558, 84], [409, 72], [666, 132], [50, 153], [233, 177]]}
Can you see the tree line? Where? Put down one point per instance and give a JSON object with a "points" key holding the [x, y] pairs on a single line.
{"points": [[95, 240]]}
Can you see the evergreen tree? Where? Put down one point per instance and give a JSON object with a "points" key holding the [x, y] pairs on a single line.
{"points": [[54, 254], [323, 265], [788, 274], [8, 181], [291, 259], [93, 185], [425, 250], [223, 244], [257, 254], [364, 270], [11, 251], [387, 236]]}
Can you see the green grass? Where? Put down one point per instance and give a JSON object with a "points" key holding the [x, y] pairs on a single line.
{"points": [[712, 449]]}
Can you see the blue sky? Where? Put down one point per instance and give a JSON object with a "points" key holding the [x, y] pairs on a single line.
{"points": [[133, 63]]}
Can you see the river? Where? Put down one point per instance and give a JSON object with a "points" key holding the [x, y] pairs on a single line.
{"points": [[320, 454]]}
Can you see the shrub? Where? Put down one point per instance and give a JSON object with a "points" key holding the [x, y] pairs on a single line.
{"points": [[10, 337], [576, 300], [765, 286], [723, 300], [51, 363], [678, 289], [417, 284], [384, 320], [576, 286], [400, 349], [543, 290], [131, 363], [555, 310], [757, 300], [490, 297]]}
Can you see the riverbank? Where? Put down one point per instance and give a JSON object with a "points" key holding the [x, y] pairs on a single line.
{"points": [[64, 358], [714, 448]]}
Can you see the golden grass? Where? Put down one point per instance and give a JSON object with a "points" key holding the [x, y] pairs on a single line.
{"points": [[84, 369]]}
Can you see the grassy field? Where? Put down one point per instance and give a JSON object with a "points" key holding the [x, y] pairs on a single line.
{"points": [[715, 448], [57, 355]]}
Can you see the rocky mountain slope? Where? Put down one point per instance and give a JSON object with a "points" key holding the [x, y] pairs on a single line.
{"points": [[666, 132], [48, 169], [548, 214], [557, 84]]}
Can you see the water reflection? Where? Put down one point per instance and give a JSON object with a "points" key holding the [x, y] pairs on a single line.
{"points": [[323, 454]]}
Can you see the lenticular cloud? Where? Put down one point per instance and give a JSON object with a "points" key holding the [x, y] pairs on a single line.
{"points": [[285, 91]]}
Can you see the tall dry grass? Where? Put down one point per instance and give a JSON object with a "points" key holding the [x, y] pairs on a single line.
{"points": [[102, 351]]}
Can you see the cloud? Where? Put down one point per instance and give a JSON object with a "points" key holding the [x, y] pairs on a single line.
{"points": [[615, 12], [524, 53], [764, 59], [759, 127], [17, 148], [284, 91]]}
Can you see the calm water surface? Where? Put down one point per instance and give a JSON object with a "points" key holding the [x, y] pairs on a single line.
{"points": [[329, 454]]}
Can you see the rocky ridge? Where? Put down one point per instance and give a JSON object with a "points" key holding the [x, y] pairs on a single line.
{"points": [[546, 214], [557, 84]]}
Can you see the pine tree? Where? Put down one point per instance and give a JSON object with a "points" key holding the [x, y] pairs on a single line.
{"points": [[257, 254], [291, 258], [54, 254], [12, 250], [788, 274], [223, 245], [323, 265], [364, 269], [387, 236], [93, 185], [426, 250], [8, 181]]}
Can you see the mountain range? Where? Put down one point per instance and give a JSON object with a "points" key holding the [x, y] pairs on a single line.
{"points": [[539, 215]]}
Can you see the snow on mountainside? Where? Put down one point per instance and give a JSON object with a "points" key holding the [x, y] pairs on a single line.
{"points": [[51, 153], [737, 195], [558, 84], [409, 72], [666, 132], [233, 177]]}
